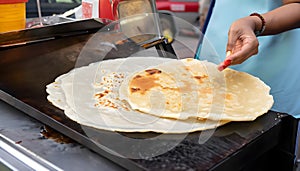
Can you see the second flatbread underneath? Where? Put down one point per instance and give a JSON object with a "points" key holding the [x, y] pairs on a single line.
{"points": [[83, 92], [182, 89]]}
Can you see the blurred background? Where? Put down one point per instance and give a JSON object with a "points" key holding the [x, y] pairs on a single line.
{"points": [[185, 9]]}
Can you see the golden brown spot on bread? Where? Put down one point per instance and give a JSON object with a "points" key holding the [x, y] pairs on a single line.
{"points": [[228, 96], [134, 89], [200, 78], [187, 68], [138, 76], [107, 91], [153, 71], [189, 59], [170, 88], [201, 119], [99, 95], [206, 90], [141, 84]]}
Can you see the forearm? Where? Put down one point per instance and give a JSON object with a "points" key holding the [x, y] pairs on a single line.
{"points": [[281, 19], [242, 35]]}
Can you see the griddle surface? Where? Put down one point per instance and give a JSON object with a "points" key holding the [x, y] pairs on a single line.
{"points": [[26, 70]]}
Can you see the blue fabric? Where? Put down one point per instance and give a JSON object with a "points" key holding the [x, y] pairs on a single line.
{"points": [[278, 61]]}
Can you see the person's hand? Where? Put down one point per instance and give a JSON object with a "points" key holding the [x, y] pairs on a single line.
{"points": [[242, 42]]}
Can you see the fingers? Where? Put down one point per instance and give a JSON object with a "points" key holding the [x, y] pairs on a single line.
{"points": [[224, 64], [233, 37], [242, 42], [244, 48], [227, 62], [236, 58]]}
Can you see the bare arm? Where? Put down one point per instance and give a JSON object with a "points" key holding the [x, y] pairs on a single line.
{"points": [[242, 42], [281, 19]]}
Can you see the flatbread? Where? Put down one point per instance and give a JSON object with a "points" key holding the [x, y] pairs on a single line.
{"points": [[189, 88], [90, 96]]}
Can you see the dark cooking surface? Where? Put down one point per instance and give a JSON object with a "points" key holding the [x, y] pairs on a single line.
{"points": [[26, 70]]}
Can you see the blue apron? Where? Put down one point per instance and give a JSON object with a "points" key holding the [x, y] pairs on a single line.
{"points": [[278, 60]]}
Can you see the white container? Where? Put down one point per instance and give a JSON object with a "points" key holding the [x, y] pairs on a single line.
{"points": [[90, 8]]}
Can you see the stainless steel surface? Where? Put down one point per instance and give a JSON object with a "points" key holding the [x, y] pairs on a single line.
{"points": [[25, 133], [50, 32], [297, 151], [19, 158], [39, 12], [139, 21]]}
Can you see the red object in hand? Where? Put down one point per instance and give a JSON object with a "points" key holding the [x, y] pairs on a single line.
{"points": [[227, 63]]}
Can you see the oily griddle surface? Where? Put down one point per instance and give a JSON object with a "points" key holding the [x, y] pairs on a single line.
{"points": [[26, 70]]}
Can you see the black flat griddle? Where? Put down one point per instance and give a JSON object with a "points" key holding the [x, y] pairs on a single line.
{"points": [[26, 69]]}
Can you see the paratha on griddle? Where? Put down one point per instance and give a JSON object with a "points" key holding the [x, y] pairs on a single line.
{"points": [[90, 96], [190, 88]]}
